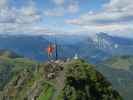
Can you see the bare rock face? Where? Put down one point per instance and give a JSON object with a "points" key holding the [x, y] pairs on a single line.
{"points": [[52, 69]]}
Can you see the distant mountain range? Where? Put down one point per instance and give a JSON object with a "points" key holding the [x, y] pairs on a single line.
{"points": [[94, 49]]}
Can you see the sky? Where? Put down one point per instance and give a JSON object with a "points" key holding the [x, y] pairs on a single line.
{"points": [[71, 17]]}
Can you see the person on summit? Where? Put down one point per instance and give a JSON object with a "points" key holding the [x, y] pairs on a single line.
{"points": [[50, 50]]}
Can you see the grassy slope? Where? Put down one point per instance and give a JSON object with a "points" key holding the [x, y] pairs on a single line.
{"points": [[9, 68], [122, 62], [118, 71], [47, 93], [14, 70]]}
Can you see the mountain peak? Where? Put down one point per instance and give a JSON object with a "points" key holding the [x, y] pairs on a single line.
{"points": [[9, 53], [83, 82], [67, 80], [102, 35]]}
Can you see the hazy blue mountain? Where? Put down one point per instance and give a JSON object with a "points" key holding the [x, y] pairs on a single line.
{"points": [[30, 46], [113, 44], [94, 49]]}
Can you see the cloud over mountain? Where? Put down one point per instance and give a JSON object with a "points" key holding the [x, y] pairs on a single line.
{"points": [[115, 16], [112, 16]]}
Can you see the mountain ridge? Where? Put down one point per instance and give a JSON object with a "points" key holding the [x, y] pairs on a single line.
{"points": [[32, 80]]}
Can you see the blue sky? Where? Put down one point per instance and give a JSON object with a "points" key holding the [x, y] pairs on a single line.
{"points": [[114, 17]]}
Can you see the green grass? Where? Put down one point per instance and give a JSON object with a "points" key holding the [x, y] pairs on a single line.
{"points": [[121, 62], [47, 93], [13, 67], [17, 66]]}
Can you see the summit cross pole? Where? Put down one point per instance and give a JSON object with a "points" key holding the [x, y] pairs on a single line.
{"points": [[56, 49], [56, 46]]}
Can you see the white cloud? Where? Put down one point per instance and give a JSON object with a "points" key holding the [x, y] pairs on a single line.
{"points": [[116, 16], [28, 14], [73, 21], [59, 2], [73, 7], [54, 12], [3, 4], [13, 19], [119, 5], [21, 20], [63, 7]]}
